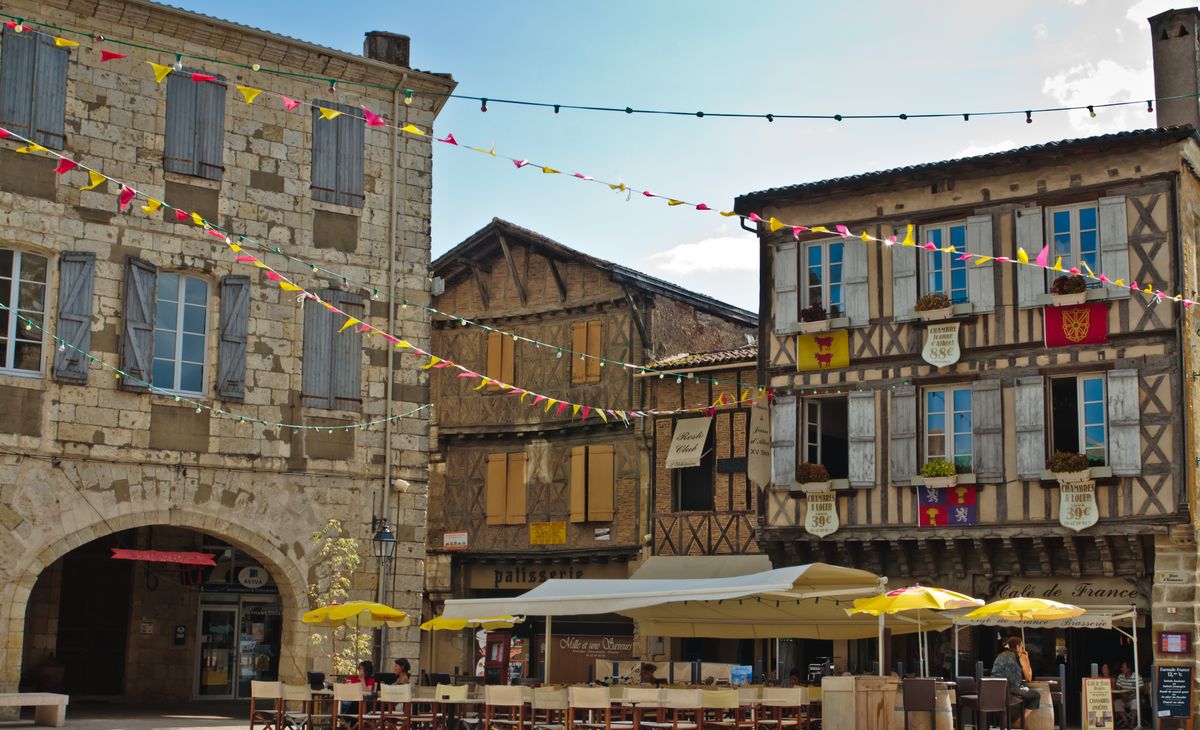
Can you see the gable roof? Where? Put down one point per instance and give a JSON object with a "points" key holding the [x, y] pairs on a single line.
{"points": [[745, 354], [482, 241]]}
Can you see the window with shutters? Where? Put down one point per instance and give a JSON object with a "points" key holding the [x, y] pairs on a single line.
{"points": [[586, 341], [821, 276], [824, 425], [593, 483], [694, 485], [33, 88], [22, 290], [500, 355], [949, 428], [1078, 418], [506, 488], [180, 333], [331, 374], [1074, 235], [195, 138], [337, 155], [944, 272]]}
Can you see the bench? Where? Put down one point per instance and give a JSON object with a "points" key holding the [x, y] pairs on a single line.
{"points": [[50, 709]]}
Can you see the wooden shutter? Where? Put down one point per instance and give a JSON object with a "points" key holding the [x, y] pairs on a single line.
{"points": [[231, 345], [903, 444], [323, 176], [317, 366], [600, 483], [579, 340], [50, 94], [497, 477], [861, 433], [783, 441], [349, 177], [856, 295], [595, 349], [1114, 243], [507, 359], [347, 356], [787, 302], [495, 356], [1031, 426], [981, 282], [1031, 281], [1124, 423], [514, 492], [76, 274], [179, 151], [210, 128], [137, 323], [988, 433], [16, 83], [578, 486], [904, 278]]}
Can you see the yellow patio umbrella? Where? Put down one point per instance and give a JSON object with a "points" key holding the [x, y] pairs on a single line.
{"points": [[1020, 609], [357, 615], [916, 599], [441, 623]]}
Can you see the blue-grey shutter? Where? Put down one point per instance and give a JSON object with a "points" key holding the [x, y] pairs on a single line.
{"points": [[17, 60], [179, 151], [1114, 243], [861, 419], [317, 368], [787, 312], [231, 345], [1124, 423], [857, 296], [1031, 426], [210, 128], [904, 276], [350, 152], [347, 356], [324, 155], [76, 274], [137, 323], [903, 444], [988, 436], [981, 282], [50, 94], [1031, 281], [783, 441]]}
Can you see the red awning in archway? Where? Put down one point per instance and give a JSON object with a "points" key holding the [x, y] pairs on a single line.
{"points": [[162, 556]]}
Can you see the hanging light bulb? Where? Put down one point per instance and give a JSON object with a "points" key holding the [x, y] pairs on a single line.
{"points": [[62, 348], [408, 96], [1092, 111], [559, 353]]}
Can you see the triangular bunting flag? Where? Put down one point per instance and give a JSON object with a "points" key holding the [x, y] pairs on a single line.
{"points": [[402, 344], [160, 71], [549, 171], [64, 43], [65, 166], [1043, 257], [249, 93], [672, 201], [585, 412], [575, 409], [1022, 256], [600, 412], [197, 219], [288, 286], [982, 260], [728, 213], [110, 56], [95, 179], [433, 360], [703, 206], [549, 402], [4, 133], [1057, 264], [182, 215], [449, 139], [373, 119], [289, 104], [201, 78], [151, 206], [417, 131], [327, 113], [273, 276], [482, 384], [126, 196], [35, 147], [774, 224]]}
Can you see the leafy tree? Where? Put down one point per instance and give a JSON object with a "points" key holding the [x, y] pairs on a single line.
{"points": [[336, 560]]}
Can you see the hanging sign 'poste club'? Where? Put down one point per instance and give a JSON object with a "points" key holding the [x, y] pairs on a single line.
{"points": [[1077, 508], [821, 517], [941, 345]]}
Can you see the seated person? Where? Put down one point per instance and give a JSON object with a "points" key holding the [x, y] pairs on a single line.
{"points": [[402, 669], [647, 673], [793, 679], [365, 677], [1013, 665], [1125, 702]]}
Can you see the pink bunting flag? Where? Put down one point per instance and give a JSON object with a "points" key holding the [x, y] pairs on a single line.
{"points": [[930, 246], [754, 218], [538, 399], [965, 257], [364, 327], [520, 163], [110, 56], [583, 413], [844, 231], [200, 78], [1104, 279], [581, 176], [65, 166], [373, 119], [449, 139], [647, 193], [390, 338], [561, 407], [246, 259], [126, 196], [1003, 259], [1074, 270], [272, 276], [182, 215], [1043, 258], [703, 206], [289, 104], [468, 374], [4, 133], [215, 233]]}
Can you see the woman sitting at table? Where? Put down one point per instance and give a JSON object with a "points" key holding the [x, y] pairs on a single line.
{"points": [[1013, 665], [365, 677], [402, 669]]}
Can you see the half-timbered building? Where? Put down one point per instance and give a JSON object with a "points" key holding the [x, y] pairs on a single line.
{"points": [[521, 493]]}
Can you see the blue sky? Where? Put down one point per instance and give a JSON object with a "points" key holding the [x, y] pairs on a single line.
{"points": [[780, 57]]}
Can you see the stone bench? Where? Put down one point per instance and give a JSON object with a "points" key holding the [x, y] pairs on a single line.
{"points": [[50, 709]]}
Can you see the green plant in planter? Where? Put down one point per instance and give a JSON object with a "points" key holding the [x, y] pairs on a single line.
{"points": [[938, 468], [1067, 461], [813, 313], [932, 301], [809, 473], [1069, 284]]}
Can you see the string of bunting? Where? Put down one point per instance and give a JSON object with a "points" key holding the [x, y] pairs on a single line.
{"points": [[31, 325], [773, 224], [19, 24]]}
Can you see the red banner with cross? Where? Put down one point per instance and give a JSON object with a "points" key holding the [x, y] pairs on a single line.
{"points": [[1081, 324]]}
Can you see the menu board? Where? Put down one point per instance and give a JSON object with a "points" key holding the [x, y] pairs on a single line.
{"points": [[1098, 705], [1173, 691]]}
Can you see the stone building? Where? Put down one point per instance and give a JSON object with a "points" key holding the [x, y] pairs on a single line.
{"points": [[90, 462], [1014, 364], [519, 494]]}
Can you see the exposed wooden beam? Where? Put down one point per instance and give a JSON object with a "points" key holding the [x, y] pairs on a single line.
{"points": [[512, 269], [902, 556], [1138, 552], [956, 554], [483, 292], [1042, 548], [1072, 551], [981, 550], [1106, 558], [1014, 561], [558, 280], [638, 321]]}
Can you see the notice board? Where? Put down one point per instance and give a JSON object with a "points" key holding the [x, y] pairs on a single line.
{"points": [[1173, 691]]}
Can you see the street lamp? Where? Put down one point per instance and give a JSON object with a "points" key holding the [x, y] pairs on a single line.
{"points": [[383, 541]]}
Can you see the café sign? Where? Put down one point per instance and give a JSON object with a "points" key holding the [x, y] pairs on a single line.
{"points": [[1077, 591]]}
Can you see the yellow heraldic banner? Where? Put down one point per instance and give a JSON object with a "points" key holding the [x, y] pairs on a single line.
{"points": [[823, 351]]}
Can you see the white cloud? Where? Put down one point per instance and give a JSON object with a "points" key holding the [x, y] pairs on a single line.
{"points": [[973, 150], [1076, 2], [725, 267], [1139, 11], [1098, 83], [1040, 31]]}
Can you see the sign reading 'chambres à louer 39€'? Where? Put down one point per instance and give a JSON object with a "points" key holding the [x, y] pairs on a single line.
{"points": [[1077, 508]]}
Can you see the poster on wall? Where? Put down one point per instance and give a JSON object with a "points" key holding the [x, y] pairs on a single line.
{"points": [[821, 517], [758, 461], [941, 345], [823, 351], [1098, 704], [687, 444], [1077, 508]]}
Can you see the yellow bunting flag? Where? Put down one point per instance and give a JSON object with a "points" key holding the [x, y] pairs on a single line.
{"points": [[249, 93], [234, 247], [482, 384], [328, 113], [287, 286], [1022, 256], [549, 171], [1119, 282], [908, 237], [433, 360], [820, 229], [64, 43], [1088, 269], [574, 409], [349, 323], [620, 186], [1058, 264], [1148, 290], [600, 412], [151, 206], [549, 402], [197, 219], [160, 71], [728, 213], [674, 202], [774, 224], [402, 344], [95, 179], [35, 147], [866, 237], [980, 260], [417, 131]]}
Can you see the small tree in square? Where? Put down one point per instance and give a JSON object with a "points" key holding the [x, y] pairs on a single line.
{"points": [[336, 560]]}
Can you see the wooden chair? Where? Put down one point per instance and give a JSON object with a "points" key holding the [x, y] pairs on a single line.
{"points": [[548, 708], [594, 702], [993, 698], [504, 707], [393, 710], [966, 694], [723, 708], [296, 706], [681, 709], [353, 694], [783, 707], [271, 716], [920, 695]]}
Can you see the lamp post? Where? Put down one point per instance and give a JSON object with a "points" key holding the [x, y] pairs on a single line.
{"points": [[383, 543]]}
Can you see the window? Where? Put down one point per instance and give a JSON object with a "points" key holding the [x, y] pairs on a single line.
{"points": [[337, 155], [506, 488], [825, 425], [1075, 237], [22, 290], [1077, 416], [332, 369], [822, 275], [948, 427], [180, 333], [33, 88], [945, 273], [195, 126], [592, 483], [499, 359], [586, 339], [694, 485]]}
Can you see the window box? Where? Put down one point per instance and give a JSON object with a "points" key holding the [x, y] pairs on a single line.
{"points": [[1068, 300], [942, 482], [796, 489], [934, 315], [1096, 472], [834, 323], [1094, 294], [821, 325]]}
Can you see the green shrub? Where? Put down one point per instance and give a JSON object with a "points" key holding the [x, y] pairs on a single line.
{"points": [[938, 468], [1067, 461]]}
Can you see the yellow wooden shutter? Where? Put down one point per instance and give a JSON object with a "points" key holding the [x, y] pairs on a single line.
{"points": [[497, 477], [506, 359], [514, 506], [579, 340], [600, 483], [495, 356], [593, 349], [578, 483]]}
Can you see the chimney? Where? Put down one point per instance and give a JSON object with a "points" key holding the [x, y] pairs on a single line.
{"points": [[387, 47], [1175, 40]]}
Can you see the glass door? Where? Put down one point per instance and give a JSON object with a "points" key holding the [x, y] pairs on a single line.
{"points": [[218, 652], [258, 659]]}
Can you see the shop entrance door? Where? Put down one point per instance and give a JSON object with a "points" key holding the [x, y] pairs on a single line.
{"points": [[218, 635]]}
